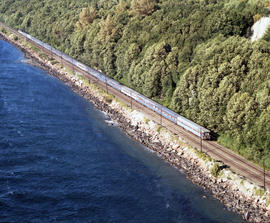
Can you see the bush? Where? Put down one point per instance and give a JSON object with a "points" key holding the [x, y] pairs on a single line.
{"points": [[108, 99], [15, 38], [146, 120], [267, 201], [215, 170], [159, 128], [259, 192], [54, 62], [3, 30], [256, 17], [202, 155]]}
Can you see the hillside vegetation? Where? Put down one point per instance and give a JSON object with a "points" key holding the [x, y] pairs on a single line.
{"points": [[193, 56]]}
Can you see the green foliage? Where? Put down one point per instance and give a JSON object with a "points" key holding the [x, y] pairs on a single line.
{"points": [[108, 99], [267, 35], [54, 62], [259, 192], [192, 55], [215, 170], [87, 16], [146, 120], [267, 201], [43, 56], [263, 125], [142, 7], [14, 37], [159, 128], [3, 30], [202, 155]]}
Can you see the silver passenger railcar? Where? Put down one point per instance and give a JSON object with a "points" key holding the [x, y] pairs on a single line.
{"points": [[154, 106]]}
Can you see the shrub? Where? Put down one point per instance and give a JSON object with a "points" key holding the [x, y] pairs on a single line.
{"points": [[3, 30], [256, 17], [108, 99], [259, 192], [146, 120], [267, 201], [202, 155], [159, 128], [15, 38], [54, 62], [215, 170]]}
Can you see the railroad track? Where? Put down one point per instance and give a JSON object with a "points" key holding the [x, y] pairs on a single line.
{"points": [[236, 163]]}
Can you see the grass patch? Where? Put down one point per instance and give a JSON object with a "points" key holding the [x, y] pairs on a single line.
{"points": [[70, 71], [242, 182], [36, 50], [175, 138], [60, 66], [202, 155], [30, 46], [146, 120], [248, 153], [229, 142], [259, 192], [159, 128], [124, 81], [267, 201], [54, 62], [43, 56]]}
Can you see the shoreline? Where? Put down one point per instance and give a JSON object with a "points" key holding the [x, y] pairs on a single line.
{"points": [[171, 150]]}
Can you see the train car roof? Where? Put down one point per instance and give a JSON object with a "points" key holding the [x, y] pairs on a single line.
{"points": [[191, 123]]}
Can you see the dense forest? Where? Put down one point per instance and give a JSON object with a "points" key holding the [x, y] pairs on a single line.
{"points": [[194, 56]]}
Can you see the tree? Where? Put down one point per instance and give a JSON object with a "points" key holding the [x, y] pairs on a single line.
{"points": [[241, 111], [121, 7], [87, 16], [108, 29], [142, 7], [263, 131]]}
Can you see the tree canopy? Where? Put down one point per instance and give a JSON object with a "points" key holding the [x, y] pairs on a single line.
{"points": [[194, 56]]}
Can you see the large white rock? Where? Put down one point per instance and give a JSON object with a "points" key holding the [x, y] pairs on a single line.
{"points": [[259, 28]]}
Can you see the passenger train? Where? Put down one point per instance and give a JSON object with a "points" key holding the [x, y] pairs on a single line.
{"points": [[192, 127]]}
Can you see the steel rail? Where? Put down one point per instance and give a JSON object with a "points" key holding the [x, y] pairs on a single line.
{"points": [[234, 161]]}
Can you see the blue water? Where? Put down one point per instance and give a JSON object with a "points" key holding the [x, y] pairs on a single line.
{"points": [[61, 162]]}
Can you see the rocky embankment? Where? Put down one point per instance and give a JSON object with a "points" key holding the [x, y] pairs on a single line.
{"points": [[159, 140]]}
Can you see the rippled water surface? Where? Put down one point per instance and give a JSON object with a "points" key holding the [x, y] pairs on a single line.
{"points": [[61, 162]]}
